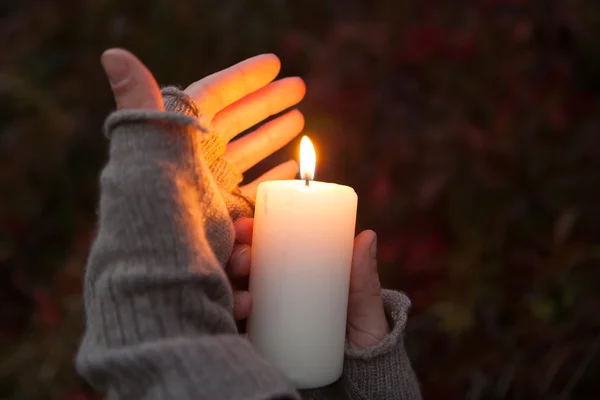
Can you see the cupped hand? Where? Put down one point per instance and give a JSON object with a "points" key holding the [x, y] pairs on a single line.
{"points": [[233, 100], [366, 321]]}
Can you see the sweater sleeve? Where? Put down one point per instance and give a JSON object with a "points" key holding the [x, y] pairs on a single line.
{"points": [[158, 304], [212, 148], [382, 372]]}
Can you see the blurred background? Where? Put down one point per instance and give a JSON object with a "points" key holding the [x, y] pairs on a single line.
{"points": [[469, 128]]}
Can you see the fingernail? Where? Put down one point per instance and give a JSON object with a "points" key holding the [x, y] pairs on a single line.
{"points": [[243, 256], [115, 67], [373, 249]]}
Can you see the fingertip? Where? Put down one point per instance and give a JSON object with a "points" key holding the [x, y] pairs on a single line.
{"points": [[366, 237], [301, 85], [274, 60], [116, 66], [290, 90], [132, 84], [116, 51], [296, 83], [287, 126], [297, 114], [287, 170], [291, 166], [242, 304], [243, 230], [269, 64], [365, 276], [365, 251], [239, 262]]}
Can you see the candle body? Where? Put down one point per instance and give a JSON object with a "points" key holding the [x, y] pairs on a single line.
{"points": [[301, 260]]}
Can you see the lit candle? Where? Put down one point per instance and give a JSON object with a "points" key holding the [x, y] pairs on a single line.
{"points": [[301, 258]]}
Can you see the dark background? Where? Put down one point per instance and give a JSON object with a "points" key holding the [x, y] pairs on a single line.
{"points": [[469, 129]]}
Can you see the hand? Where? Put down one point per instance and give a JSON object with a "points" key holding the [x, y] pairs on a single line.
{"points": [[366, 321], [233, 100]]}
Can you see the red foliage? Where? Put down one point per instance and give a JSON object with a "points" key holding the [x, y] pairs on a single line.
{"points": [[421, 252], [422, 44]]}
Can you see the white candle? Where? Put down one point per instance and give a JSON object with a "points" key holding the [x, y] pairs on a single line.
{"points": [[301, 258]]}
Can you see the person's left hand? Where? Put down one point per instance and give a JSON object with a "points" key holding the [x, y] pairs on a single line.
{"points": [[366, 321], [233, 100], [244, 95]]}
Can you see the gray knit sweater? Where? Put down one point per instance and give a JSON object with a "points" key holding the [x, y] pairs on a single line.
{"points": [[158, 303]]}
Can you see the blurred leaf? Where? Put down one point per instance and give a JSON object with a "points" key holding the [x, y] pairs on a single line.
{"points": [[541, 308]]}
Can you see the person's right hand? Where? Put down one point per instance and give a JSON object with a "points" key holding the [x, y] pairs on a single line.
{"points": [[232, 100]]}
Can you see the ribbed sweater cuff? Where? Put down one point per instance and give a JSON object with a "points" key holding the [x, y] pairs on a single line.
{"points": [[213, 148], [396, 306], [384, 371]]}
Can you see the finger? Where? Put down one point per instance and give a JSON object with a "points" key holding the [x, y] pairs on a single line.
{"points": [[365, 277], [258, 106], [282, 172], [219, 90], [242, 304], [239, 262], [249, 150], [243, 230], [132, 84], [367, 323]]}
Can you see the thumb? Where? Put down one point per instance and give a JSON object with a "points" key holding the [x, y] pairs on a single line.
{"points": [[132, 84], [367, 323]]}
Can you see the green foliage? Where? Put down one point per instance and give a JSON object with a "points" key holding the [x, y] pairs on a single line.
{"points": [[468, 128]]}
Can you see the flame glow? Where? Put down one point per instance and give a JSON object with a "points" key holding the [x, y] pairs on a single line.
{"points": [[308, 159]]}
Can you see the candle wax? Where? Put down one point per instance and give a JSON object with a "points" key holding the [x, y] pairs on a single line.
{"points": [[301, 259]]}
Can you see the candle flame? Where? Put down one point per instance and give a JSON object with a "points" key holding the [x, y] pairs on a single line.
{"points": [[308, 159]]}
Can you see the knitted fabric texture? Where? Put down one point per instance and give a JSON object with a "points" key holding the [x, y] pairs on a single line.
{"points": [[213, 147], [159, 321]]}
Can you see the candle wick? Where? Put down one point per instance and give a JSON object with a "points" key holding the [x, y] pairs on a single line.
{"points": [[306, 179]]}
